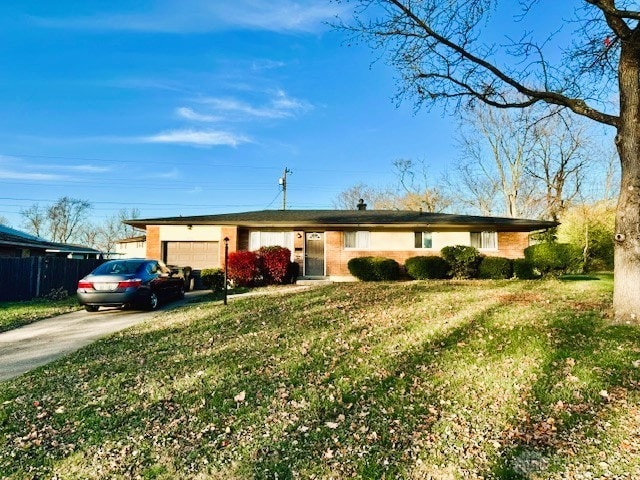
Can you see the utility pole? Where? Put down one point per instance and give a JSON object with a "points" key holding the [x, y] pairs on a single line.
{"points": [[283, 182]]}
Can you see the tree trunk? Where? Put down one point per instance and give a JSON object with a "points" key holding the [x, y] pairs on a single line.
{"points": [[626, 298]]}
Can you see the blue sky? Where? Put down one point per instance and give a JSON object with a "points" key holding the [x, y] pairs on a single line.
{"points": [[196, 107]]}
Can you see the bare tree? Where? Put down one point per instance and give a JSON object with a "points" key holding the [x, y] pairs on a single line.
{"points": [[34, 220], [559, 163], [349, 198], [113, 229], [413, 190], [65, 218], [4, 221], [61, 222], [441, 53], [496, 147], [417, 190]]}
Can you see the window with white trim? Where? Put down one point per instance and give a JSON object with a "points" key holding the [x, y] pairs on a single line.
{"points": [[423, 240], [359, 239], [258, 239], [484, 240]]}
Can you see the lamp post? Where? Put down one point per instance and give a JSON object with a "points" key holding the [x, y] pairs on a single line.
{"points": [[226, 262]]}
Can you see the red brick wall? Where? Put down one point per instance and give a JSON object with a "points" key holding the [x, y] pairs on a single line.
{"points": [[154, 247], [232, 234], [510, 245]]}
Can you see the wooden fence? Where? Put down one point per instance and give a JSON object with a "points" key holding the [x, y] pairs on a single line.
{"points": [[31, 277]]}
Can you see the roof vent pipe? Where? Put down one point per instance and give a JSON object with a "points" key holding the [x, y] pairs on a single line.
{"points": [[362, 205]]}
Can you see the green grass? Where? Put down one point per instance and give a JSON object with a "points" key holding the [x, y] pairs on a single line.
{"points": [[443, 380], [17, 314]]}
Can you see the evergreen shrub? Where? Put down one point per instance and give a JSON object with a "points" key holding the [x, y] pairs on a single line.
{"points": [[426, 267], [370, 269], [554, 259], [463, 261], [213, 278], [523, 269], [496, 268]]}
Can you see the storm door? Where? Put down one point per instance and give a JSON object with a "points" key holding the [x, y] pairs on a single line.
{"points": [[314, 254]]}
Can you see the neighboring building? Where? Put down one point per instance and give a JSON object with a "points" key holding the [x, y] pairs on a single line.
{"points": [[133, 247], [14, 243], [323, 241]]}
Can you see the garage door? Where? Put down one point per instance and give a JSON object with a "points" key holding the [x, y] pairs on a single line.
{"points": [[197, 255]]}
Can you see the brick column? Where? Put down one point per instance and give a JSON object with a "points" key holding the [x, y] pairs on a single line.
{"points": [[154, 247]]}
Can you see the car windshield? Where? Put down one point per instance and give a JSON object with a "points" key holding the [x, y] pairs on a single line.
{"points": [[124, 267]]}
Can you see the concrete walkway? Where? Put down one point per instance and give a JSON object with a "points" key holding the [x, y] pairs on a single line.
{"points": [[39, 343]]}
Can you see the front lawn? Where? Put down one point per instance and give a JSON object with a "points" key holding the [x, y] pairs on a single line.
{"points": [[17, 314], [442, 380]]}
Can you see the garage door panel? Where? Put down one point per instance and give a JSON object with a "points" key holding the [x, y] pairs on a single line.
{"points": [[197, 255]]}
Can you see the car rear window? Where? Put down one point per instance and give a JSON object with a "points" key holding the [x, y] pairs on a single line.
{"points": [[118, 268]]}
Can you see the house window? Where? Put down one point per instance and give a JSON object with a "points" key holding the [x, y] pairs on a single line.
{"points": [[484, 240], [259, 239], [356, 239], [423, 240]]}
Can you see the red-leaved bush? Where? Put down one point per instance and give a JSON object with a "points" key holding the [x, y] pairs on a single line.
{"points": [[274, 263], [243, 267]]}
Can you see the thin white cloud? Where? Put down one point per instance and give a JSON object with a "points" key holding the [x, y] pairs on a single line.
{"points": [[279, 106], [190, 114], [195, 191], [40, 177], [169, 175], [204, 138], [87, 168], [199, 16]]}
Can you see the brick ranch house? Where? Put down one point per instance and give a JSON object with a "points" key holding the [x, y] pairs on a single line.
{"points": [[323, 241]]}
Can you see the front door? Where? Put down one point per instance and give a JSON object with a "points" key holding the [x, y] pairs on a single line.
{"points": [[314, 254]]}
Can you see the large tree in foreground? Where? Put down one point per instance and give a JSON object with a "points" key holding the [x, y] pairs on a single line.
{"points": [[445, 51]]}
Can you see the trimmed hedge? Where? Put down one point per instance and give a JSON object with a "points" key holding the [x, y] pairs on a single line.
{"points": [[554, 259], [463, 261], [523, 269], [427, 267], [213, 278], [370, 269], [496, 268]]}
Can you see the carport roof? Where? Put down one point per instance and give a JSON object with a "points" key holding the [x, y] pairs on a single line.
{"points": [[349, 218]]}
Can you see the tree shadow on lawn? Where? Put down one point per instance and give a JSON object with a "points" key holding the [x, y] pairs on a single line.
{"points": [[585, 383], [316, 401]]}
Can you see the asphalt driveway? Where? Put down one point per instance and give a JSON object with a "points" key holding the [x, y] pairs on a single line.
{"points": [[39, 343]]}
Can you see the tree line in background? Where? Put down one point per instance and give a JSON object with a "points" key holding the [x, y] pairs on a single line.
{"points": [[68, 221], [515, 163]]}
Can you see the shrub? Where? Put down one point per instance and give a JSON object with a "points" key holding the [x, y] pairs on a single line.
{"points": [[273, 263], [463, 261], [57, 294], [497, 268], [523, 269], [370, 269], [243, 268], [386, 268], [424, 268], [554, 259], [213, 278]]}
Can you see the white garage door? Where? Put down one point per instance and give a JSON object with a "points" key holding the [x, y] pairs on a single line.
{"points": [[197, 255]]}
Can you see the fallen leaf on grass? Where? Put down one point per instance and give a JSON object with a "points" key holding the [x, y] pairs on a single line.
{"points": [[239, 398]]}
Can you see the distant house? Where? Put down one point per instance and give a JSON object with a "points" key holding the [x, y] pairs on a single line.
{"points": [[133, 247], [323, 241], [14, 243]]}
